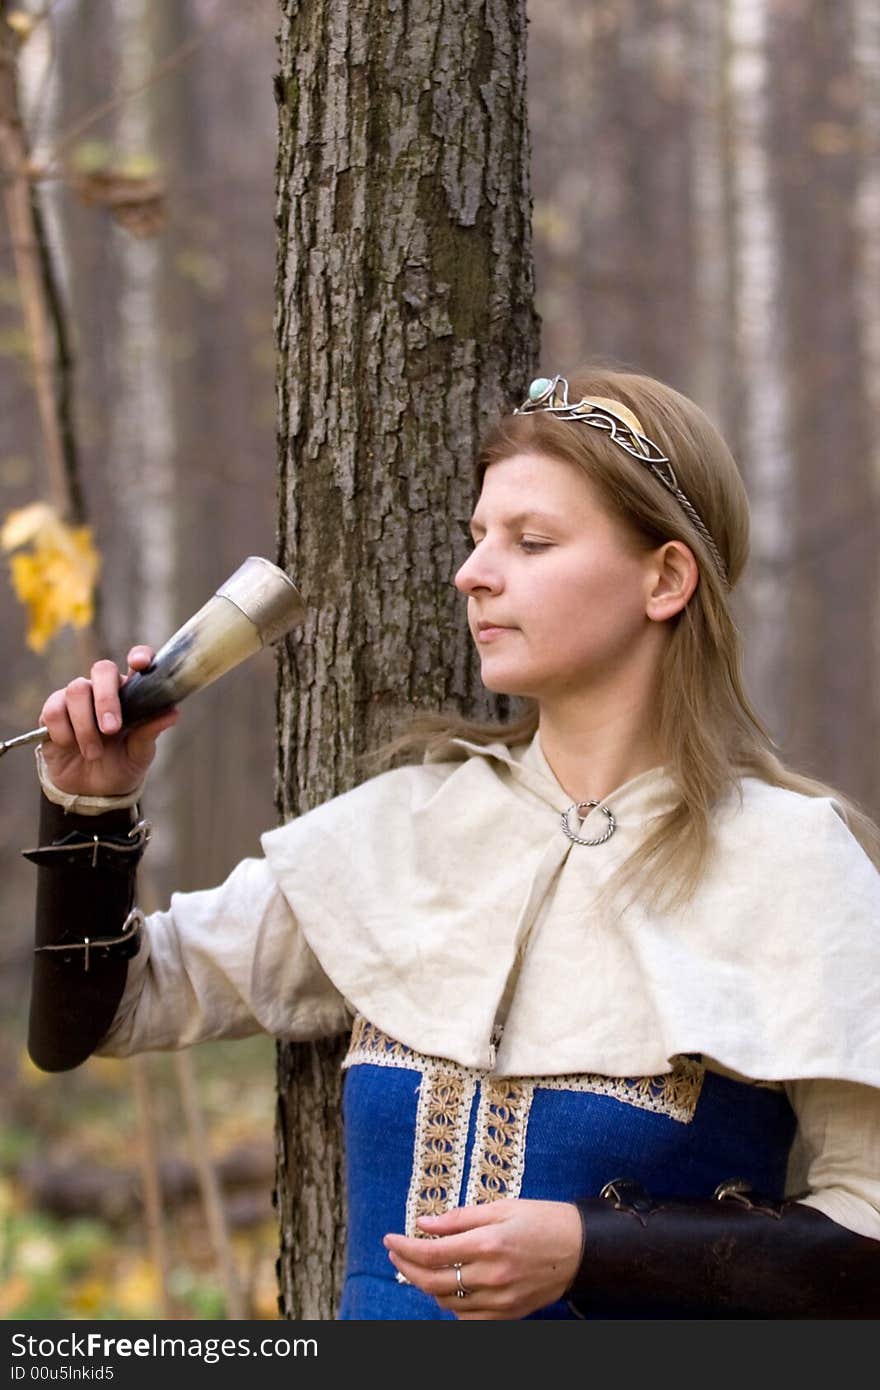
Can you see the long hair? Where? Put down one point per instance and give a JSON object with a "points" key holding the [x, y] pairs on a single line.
{"points": [[708, 731]]}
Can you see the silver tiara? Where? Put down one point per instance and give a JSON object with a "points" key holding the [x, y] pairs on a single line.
{"points": [[624, 427]]}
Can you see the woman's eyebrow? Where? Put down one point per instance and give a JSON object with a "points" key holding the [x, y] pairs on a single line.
{"points": [[545, 518]]}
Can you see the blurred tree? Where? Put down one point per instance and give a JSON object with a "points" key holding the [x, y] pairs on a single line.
{"points": [[405, 320], [707, 205], [176, 371], [174, 401], [173, 412]]}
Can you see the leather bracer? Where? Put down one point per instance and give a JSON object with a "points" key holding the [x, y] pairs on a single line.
{"points": [[87, 929], [735, 1256]]}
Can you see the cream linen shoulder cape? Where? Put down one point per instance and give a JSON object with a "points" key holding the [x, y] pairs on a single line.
{"points": [[428, 890]]}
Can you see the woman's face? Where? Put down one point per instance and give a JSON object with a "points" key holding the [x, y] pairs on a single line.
{"points": [[556, 587]]}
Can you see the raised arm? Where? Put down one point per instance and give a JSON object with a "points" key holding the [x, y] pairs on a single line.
{"points": [[90, 841], [221, 962]]}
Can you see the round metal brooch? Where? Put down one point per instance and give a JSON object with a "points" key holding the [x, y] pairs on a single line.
{"points": [[586, 806]]}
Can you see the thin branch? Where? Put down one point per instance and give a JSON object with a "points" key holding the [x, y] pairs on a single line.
{"points": [[19, 198], [150, 1182], [48, 338], [54, 167], [212, 1199], [174, 60], [40, 100], [56, 315]]}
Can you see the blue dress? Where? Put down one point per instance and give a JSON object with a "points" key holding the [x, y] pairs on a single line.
{"points": [[423, 1135]]}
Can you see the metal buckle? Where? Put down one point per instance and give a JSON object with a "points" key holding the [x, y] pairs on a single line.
{"points": [[89, 944], [625, 1194], [141, 832], [744, 1195]]}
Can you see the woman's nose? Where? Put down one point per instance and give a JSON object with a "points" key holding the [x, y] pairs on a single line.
{"points": [[477, 572]]}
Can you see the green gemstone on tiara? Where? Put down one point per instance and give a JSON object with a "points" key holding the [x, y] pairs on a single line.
{"points": [[539, 387]]}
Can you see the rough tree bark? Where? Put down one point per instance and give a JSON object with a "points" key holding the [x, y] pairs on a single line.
{"points": [[405, 320]]}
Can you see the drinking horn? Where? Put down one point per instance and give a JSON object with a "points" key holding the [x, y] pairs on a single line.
{"points": [[255, 607]]}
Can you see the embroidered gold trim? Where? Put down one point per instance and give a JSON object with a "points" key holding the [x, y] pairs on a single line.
{"points": [[498, 1160], [446, 1094], [673, 1093], [368, 1044]]}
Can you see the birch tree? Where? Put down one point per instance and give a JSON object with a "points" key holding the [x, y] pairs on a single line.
{"points": [[707, 195]]}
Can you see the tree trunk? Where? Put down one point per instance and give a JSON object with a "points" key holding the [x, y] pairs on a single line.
{"points": [[707, 192], [822, 149], [404, 323], [763, 425]]}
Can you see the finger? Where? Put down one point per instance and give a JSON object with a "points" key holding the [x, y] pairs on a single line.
{"points": [[443, 1285], [460, 1219], [81, 709], [55, 717], [440, 1283], [106, 680], [141, 743], [139, 658], [457, 1235], [433, 1254]]}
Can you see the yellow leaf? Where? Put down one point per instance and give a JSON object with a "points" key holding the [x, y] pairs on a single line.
{"points": [[89, 155], [14, 1293], [142, 165], [88, 1295], [136, 1288], [23, 525], [108, 1071], [264, 1288], [21, 23], [30, 1073], [7, 1198], [56, 579]]}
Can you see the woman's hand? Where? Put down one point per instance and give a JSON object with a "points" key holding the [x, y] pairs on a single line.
{"points": [[516, 1256], [86, 754]]}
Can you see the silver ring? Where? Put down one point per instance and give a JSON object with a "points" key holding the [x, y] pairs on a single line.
{"points": [[460, 1291], [585, 806]]}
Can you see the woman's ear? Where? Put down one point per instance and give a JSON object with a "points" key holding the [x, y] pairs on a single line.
{"points": [[672, 579]]}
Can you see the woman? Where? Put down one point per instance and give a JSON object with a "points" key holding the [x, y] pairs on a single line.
{"points": [[614, 964]]}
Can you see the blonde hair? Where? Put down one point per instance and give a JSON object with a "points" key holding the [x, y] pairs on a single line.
{"points": [[709, 733]]}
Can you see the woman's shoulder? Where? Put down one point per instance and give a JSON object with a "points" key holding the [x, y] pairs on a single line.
{"points": [[785, 804], [792, 825], [761, 796], [401, 789]]}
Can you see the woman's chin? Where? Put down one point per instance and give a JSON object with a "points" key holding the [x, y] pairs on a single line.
{"points": [[505, 684]]}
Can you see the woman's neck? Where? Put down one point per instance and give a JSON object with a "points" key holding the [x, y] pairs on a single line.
{"points": [[593, 750]]}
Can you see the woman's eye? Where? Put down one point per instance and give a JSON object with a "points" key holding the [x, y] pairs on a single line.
{"points": [[524, 543]]}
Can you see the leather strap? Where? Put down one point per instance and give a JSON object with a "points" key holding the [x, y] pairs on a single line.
{"points": [[87, 929], [738, 1256], [93, 849]]}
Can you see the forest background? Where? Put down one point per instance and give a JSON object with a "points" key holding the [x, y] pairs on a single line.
{"points": [[706, 182]]}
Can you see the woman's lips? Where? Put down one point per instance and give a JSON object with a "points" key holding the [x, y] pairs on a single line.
{"points": [[489, 634]]}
